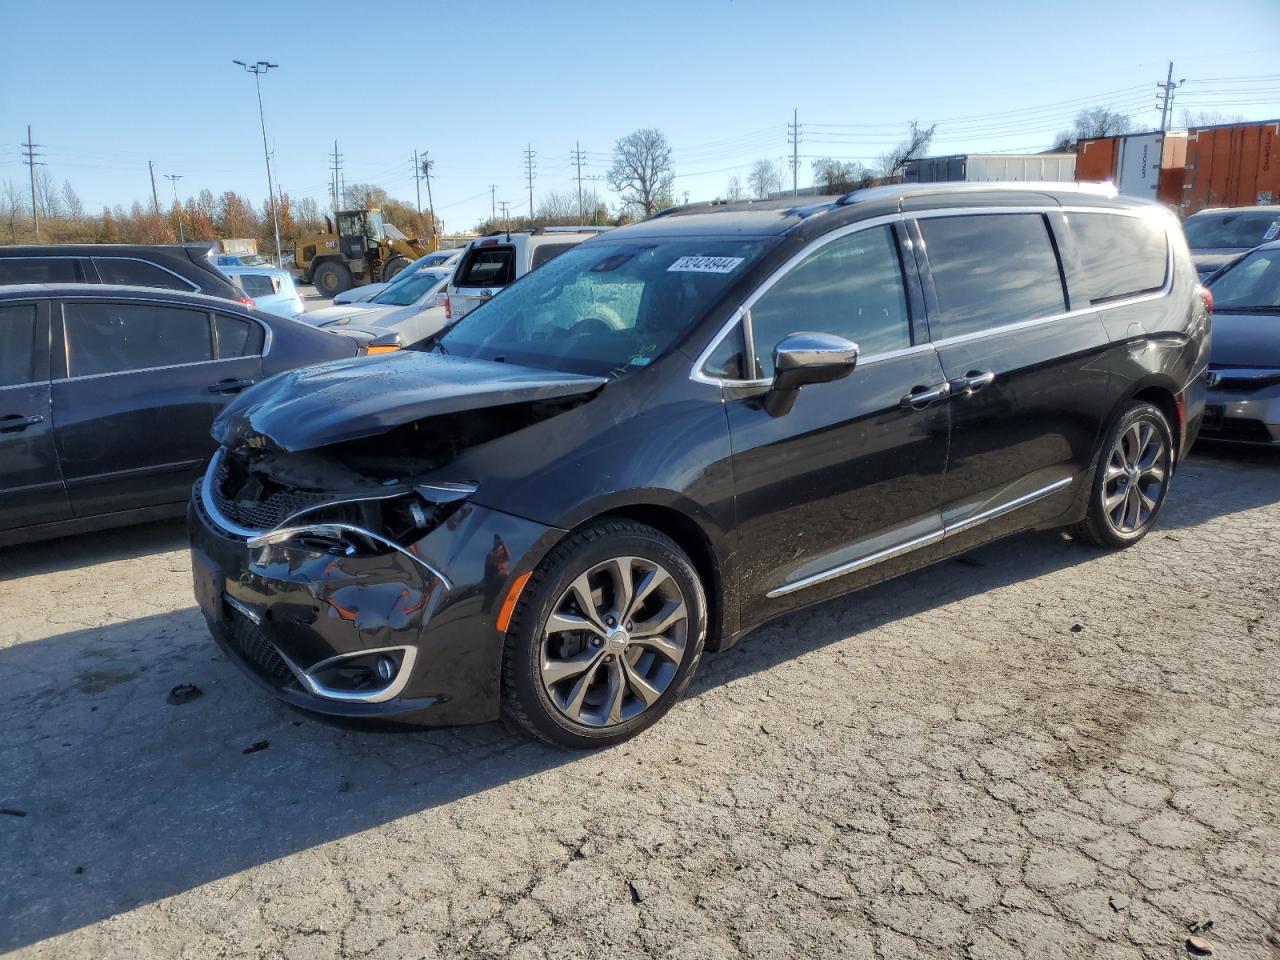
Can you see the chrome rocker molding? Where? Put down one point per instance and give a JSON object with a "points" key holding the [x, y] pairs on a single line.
{"points": [[924, 541]]}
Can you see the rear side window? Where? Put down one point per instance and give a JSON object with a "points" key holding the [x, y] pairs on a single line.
{"points": [[488, 267], [17, 344], [547, 251], [238, 338], [40, 270], [118, 336], [1116, 256], [259, 285], [991, 270], [139, 273], [851, 287]]}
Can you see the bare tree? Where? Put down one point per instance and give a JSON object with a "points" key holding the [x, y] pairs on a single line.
{"points": [[1209, 118], [734, 189], [832, 176], [71, 199], [12, 209], [365, 196], [1101, 122], [47, 196], [917, 142], [641, 171], [764, 178]]}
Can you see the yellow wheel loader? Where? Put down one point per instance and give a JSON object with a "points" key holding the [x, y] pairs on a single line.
{"points": [[360, 249]]}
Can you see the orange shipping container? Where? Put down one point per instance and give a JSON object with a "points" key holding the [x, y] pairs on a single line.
{"points": [[1234, 165], [1096, 159]]}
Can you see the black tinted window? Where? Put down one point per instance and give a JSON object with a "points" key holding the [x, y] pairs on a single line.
{"points": [[726, 360], [40, 270], [110, 337], [259, 284], [547, 251], [138, 273], [238, 338], [1231, 228], [1116, 256], [991, 270], [851, 287], [488, 267], [17, 344]]}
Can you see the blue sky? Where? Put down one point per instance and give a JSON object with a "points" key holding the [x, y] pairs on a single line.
{"points": [[108, 86]]}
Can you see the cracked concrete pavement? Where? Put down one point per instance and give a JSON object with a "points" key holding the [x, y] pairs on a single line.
{"points": [[1041, 750]]}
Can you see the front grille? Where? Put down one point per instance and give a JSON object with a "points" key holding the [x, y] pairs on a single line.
{"points": [[247, 640], [265, 514]]}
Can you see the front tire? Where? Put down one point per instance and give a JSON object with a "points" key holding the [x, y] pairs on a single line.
{"points": [[1130, 479], [393, 266], [605, 638]]}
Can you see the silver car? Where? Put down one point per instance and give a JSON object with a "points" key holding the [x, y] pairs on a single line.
{"points": [[1244, 366]]}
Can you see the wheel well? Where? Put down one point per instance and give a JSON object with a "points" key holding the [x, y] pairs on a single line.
{"points": [[1161, 398], [690, 538]]}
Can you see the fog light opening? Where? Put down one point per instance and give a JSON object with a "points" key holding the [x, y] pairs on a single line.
{"points": [[386, 668], [368, 676]]}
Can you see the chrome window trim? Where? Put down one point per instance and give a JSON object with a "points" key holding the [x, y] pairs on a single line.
{"points": [[696, 374], [94, 258], [25, 383], [927, 539], [267, 333]]}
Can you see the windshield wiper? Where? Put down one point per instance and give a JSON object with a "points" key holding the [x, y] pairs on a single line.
{"points": [[1244, 308]]}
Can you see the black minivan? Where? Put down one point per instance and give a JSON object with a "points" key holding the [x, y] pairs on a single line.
{"points": [[685, 427]]}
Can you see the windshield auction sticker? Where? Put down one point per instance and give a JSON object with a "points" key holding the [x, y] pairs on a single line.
{"points": [[705, 265]]}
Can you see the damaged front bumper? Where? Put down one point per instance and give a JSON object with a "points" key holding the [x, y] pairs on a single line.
{"points": [[389, 630]]}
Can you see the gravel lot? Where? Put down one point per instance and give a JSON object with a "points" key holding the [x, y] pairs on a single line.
{"points": [[1037, 750]]}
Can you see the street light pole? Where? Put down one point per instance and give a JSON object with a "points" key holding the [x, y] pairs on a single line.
{"points": [[258, 69]]}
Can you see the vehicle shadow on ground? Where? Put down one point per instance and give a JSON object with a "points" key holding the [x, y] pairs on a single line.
{"points": [[85, 550], [127, 799], [1251, 474]]}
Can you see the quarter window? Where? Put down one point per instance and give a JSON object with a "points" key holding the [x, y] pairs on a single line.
{"points": [[547, 251], [991, 270], [17, 344], [1117, 256], [138, 273], [259, 284], [488, 267], [40, 270], [851, 287], [112, 337], [238, 338]]}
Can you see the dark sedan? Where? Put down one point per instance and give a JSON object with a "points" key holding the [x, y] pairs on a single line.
{"points": [[107, 395], [1244, 373], [1216, 237]]}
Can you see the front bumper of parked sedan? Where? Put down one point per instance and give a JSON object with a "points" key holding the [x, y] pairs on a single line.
{"points": [[1243, 406], [409, 634]]}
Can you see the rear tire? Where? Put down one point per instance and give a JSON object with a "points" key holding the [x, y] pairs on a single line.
{"points": [[393, 267], [1130, 480], [643, 616], [331, 278]]}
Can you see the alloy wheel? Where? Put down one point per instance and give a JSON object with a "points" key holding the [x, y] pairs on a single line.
{"points": [[1135, 478], [614, 641]]}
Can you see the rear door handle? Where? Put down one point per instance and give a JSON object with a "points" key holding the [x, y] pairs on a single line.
{"points": [[230, 386], [972, 382], [16, 422], [921, 397]]}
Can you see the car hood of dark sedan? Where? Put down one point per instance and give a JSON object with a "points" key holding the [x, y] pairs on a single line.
{"points": [[362, 397], [1246, 340]]}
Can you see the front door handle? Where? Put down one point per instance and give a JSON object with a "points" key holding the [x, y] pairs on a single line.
{"points": [[16, 422], [972, 382], [921, 397], [230, 386]]}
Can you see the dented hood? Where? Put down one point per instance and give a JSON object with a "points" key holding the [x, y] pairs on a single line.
{"points": [[362, 397]]}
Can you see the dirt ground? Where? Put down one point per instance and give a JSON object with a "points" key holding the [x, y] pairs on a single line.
{"points": [[1038, 750]]}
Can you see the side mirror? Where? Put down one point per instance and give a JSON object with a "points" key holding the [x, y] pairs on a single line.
{"points": [[800, 359]]}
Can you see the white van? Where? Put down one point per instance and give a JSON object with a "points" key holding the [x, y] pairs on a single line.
{"points": [[491, 263]]}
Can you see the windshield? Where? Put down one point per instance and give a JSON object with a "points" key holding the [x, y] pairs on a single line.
{"points": [[604, 307], [1207, 231], [403, 292], [1252, 283]]}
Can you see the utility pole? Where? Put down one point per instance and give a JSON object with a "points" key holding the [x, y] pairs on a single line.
{"points": [[335, 168], [529, 168], [427, 164], [258, 69], [577, 157], [29, 149], [793, 138], [506, 214], [417, 181], [174, 178], [1166, 111], [493, 204], [155, 198], [595, 179]]}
